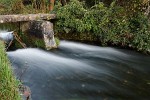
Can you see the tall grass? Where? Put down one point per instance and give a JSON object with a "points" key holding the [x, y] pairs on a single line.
{"points": [[19, 7], [8, 84]]}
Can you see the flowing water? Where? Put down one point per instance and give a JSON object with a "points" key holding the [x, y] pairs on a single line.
{"points": [[77, 71]]}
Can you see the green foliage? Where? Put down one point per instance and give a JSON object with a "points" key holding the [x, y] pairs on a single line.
{"points": [[133, 6], [10, 5], [70, 16], [17, 7], [57, 41], [7, 2], [30, 41], [108, 24], [139, 25]]}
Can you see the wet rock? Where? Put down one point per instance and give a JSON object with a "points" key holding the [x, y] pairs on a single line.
{"points": [[25, 92]]}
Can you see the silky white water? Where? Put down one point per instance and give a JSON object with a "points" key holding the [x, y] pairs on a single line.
{"points": [[77, 71]]}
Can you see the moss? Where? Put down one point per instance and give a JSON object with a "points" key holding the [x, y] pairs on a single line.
{"points": [[32, 41], [38, 43], [57, 41]]}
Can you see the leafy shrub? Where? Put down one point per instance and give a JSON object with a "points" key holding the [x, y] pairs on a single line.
{"points": [[70, 17], [139, 27], [108, 24]]}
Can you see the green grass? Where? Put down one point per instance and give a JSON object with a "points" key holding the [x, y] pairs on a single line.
{"points": [[57, 41], [8, 83]]}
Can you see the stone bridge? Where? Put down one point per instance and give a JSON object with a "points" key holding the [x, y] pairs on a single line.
{"points": [[25, 17], [38, 25]]}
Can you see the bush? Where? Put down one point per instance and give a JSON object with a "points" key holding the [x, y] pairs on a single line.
{"points": [[70, 17], [108, 24], [139, 28]]}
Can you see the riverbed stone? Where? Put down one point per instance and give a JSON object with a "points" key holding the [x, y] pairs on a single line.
{"points": [[25, 92]]}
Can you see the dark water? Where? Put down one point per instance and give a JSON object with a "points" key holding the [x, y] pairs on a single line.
{"points": [[78, 71]]}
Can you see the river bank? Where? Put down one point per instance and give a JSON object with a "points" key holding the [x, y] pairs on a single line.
{"points": [[93, 40], [8, 83]]}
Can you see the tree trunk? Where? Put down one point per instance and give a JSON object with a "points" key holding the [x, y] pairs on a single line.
{"points": [[63, 2], [51, 5]]}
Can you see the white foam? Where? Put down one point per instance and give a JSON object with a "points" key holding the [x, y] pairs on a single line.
{"points": [[86, 47], [6, 36]]}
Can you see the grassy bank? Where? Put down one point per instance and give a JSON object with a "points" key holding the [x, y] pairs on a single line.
{"points": [[8, 83]]}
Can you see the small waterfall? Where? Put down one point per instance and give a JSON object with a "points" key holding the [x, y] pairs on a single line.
{"points": [[6, 36]]}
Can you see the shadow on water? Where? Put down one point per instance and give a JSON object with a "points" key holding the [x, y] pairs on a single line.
{"points": [[78, 71]]}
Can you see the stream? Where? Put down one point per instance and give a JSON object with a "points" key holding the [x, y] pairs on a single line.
{"points": [[77, 71]]}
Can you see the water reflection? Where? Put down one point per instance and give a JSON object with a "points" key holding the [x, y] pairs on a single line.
{"points": [[78, 71]]}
